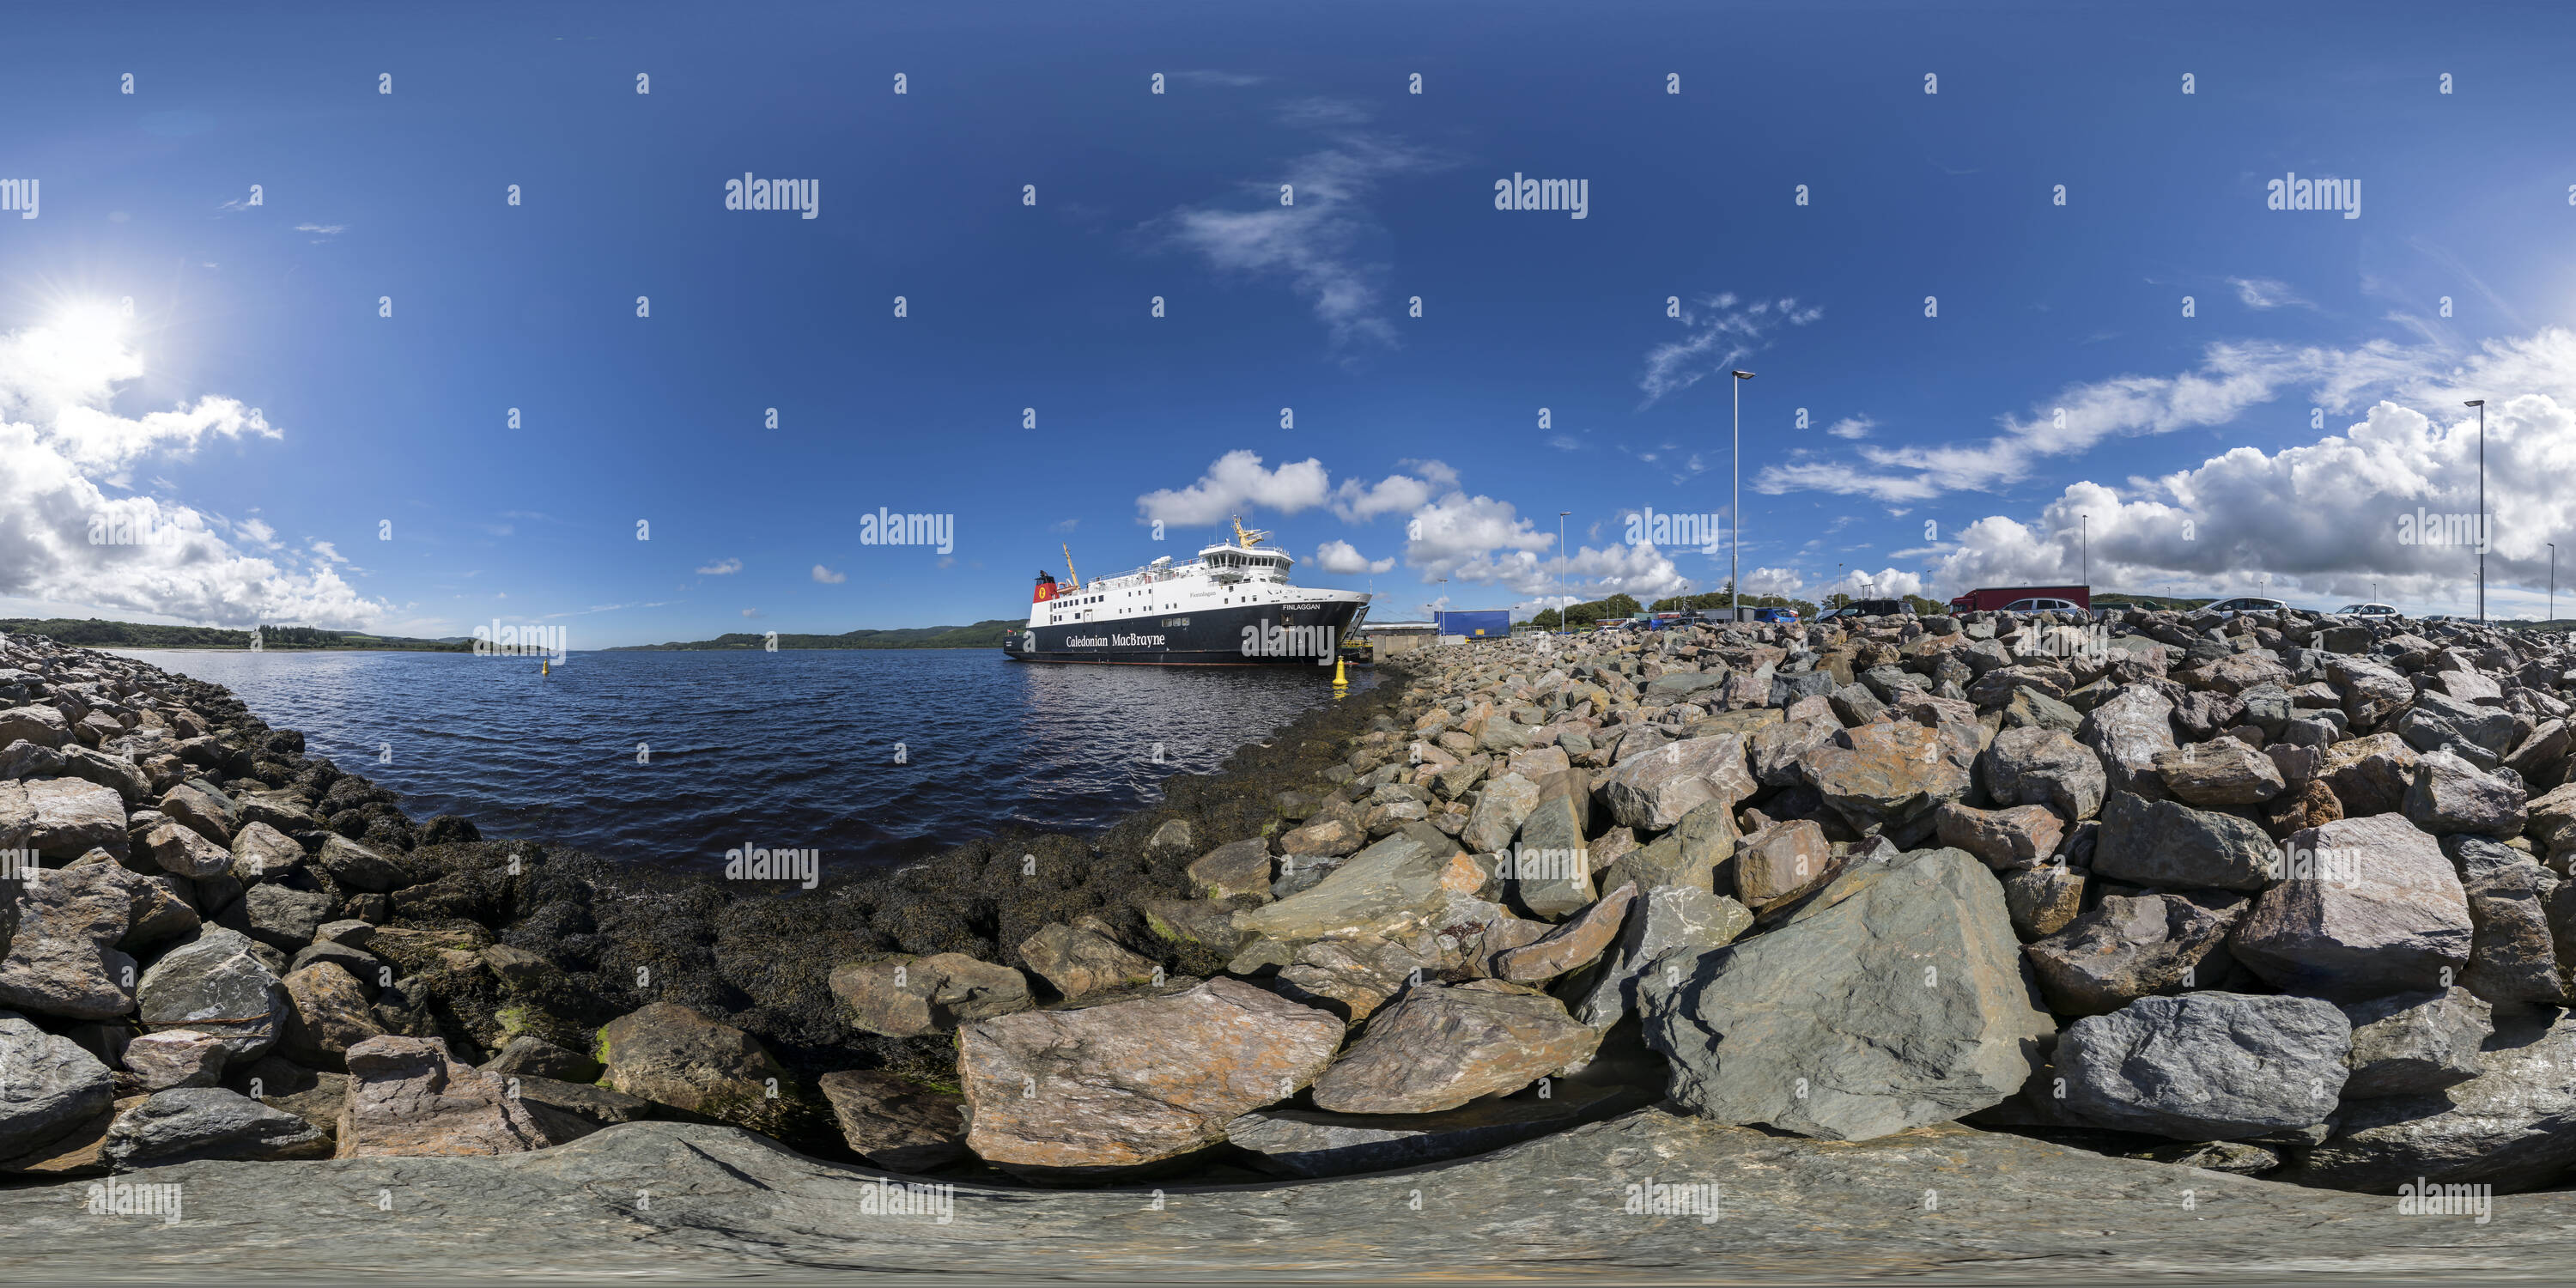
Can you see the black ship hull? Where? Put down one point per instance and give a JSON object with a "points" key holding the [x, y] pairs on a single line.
{"points": [[1289, 634]]}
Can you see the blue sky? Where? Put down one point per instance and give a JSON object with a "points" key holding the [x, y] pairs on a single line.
{"points": [[2268, 442]]}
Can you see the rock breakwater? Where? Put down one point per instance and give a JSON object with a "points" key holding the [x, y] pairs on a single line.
{"points": [[2283, 894]]}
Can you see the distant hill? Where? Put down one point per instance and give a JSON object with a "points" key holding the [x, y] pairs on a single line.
{"points": [[980, 635], [94, 633]]}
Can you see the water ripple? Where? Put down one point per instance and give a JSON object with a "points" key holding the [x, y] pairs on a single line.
{"points": [[792, 749]]}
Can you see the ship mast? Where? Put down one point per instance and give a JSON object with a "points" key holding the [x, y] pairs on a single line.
{"points": [[1068, 566]]}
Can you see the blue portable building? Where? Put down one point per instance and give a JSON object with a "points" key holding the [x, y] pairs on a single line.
{"points": [[1486, 623]]}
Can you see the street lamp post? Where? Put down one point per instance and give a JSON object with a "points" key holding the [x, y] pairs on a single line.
{"points": [[1560, 553], [2553, 580], [1735, 510], [2481, 405], [2084, 549]]}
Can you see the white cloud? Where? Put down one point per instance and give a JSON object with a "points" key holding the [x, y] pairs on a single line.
{"points": [[829, 577], [1341, 557], [1886, 583], [1324, 113], [1565, 443], [328, 551], [1852, 427], [2233, 377], [1356, 502], [751, 612], [326, 230], [1720, 334], [257, 533], [721, 568], [2264, 292], [1232, 80], [2319, 520], [1784, 582], [1237, 482], [1322, 245], [60, 439]]}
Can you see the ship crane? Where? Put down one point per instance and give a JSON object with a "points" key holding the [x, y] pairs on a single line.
{"points": [[1068, 567]]}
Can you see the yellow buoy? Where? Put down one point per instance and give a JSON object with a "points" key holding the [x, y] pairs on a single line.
{"points": [[1339, 679]]}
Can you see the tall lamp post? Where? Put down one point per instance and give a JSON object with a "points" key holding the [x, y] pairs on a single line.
{"points": [[2481, 405], [2084, 550], [2553, 580], [1735, 510], [1560, 553]]}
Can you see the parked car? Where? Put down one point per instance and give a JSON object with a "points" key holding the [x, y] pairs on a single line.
{"points": [[2247, 604], [1788, 615], [2042, 604], [2366, 610], [1881, 608]]}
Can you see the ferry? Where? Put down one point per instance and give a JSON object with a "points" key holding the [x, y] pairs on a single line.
{"points": [[1232, 606]]}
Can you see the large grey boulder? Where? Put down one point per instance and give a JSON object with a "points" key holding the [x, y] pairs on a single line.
{"points": [[1393, 882], [1501, 804], [1887, 775], [58, 936], [284, 918], [2383, 914], [2513, 1126], [2036, 766], [2169, 844], [209, 1122], [897, 1125], [2513, 956], [1131, 1083], [2221, 771], [1667, 919], [408, 1098], [355, 867], [2449, 795], [1082, 962], [1439, 1047], [2129, 948], [1553, 849], [1897, 997], [904, 996], [216, 984], [1655, 790], [49, 1086], [2207, 1066], [2413, 1043], [2127, 732], [61, 818]]}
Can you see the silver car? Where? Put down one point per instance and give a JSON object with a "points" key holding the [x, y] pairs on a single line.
{"points": [[2247, 604], [2365, 610], [2042, 605]]}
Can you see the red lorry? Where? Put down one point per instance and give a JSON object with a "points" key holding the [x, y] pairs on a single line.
{"points": [[1989, 598]]}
